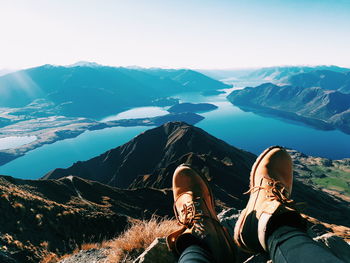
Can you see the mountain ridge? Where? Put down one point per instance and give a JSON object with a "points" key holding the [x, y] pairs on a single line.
{"points": [[168, 142]]}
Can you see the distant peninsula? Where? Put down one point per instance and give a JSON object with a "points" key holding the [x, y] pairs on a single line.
{"points": [[322, 109], [56, 128], [192, 107]]}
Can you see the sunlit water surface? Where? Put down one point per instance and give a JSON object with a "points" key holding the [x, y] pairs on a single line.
{"points": [[246, 130]]}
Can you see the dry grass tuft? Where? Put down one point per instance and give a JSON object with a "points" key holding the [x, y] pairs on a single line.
{"points": [[137, 238], [126, 247], [50, 258]]}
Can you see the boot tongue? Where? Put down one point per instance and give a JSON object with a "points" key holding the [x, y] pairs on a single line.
{"points": [[184, 198], [185, 207]]}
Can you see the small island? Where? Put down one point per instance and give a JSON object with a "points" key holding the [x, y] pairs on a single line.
{"points": [[192, 107]]}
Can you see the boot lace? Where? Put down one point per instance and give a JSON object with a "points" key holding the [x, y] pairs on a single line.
{"points": [[275, 191], [192, 217]]}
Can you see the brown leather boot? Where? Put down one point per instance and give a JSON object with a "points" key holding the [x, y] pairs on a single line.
{"points": [[195, 211], [269, 205]]}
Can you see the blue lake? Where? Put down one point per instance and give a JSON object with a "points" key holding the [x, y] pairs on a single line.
{"points": [[38, 162], [140, 112], [241, 129], [254, 133]]}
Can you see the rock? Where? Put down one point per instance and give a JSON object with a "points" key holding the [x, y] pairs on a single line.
{"points": [[157, 252], [87, 256], [337, 245], [228, 218]]}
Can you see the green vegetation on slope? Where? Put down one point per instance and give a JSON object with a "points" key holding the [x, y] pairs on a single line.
{"points": [[332, 175]]}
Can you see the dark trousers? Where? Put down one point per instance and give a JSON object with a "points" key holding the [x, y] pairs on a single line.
{"points": [[286, 245]]}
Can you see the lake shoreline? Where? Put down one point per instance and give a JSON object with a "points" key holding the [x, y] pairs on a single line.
{"points": [[64, 132], [312, 122]]}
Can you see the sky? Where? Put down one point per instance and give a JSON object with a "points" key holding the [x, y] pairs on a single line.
{"points": [[206, 34]]}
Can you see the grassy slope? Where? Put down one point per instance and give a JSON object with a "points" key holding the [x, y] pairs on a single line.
{"points": [[333, 175]]}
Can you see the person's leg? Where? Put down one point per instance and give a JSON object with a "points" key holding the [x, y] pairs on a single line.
{"points": [[201, 236], [270, 222], [195, 254], [289, 244]]}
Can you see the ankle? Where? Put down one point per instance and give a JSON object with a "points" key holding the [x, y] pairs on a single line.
{"points": [[290, 219], [186, 240]]}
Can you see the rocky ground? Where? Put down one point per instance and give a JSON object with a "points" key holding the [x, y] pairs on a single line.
{"points": [[157, 251]]}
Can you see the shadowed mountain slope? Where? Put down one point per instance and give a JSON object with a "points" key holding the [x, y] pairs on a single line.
{"points": [[153, 150], [57, 216]]}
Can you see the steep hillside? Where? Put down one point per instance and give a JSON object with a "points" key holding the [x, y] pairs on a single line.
{"points": [[39, 218], [314, 106]]}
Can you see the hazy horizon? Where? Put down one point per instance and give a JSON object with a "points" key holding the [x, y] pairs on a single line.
{"points": [[165, 67], [223, 34]]}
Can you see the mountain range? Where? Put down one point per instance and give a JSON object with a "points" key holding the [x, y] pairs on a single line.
{"points": [[98, 91], [325, 79], [325, 109], [283, 73], [279, 74], [68, 210]]}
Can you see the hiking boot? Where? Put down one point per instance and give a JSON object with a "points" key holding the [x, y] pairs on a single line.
{"points": [[195, 211], [269, 205]]}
